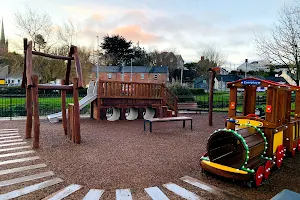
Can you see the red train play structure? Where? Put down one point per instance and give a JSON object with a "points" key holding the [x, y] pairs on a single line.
{"points": [[251, 145]]}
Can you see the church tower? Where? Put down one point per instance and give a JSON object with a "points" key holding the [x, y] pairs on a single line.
{"points": [[3, 42]]}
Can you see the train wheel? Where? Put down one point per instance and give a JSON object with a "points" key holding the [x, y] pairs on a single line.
{"points": [[267, 169], [298, 144], [294, 149], [259, 175], [279, 155]]}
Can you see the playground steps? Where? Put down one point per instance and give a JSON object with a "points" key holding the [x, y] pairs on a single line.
{"points": [[14, 159]]}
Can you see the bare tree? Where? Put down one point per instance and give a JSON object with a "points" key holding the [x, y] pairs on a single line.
{"points": [[210, 57], [281, 44], [34, 24], [67, 33]]}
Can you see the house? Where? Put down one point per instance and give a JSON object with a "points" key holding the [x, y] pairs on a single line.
{"points": [[13, 79], [200, 82], [171, 60], [154, 74], [277, 79], [222, 80], [255, 66]]}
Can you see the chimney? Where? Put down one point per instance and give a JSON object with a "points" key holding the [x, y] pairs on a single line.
{"points": [[202, 58]]}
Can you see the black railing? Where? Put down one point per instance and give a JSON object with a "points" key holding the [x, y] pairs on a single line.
{"points": [[12, 106]]}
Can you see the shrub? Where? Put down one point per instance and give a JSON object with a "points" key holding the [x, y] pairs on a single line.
{"points": [[197, 91], [183, 93]]}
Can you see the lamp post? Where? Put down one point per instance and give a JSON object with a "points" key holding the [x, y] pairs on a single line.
{"points": [[130, 69], [297, 65], [97, 62], [246, 61]]}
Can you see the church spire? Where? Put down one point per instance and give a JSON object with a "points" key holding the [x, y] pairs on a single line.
{"points": [[2, 38]]}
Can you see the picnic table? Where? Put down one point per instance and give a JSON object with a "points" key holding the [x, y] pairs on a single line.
{"points": [[168, 119]]}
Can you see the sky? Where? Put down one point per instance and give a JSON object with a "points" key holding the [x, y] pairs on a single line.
{"points": [[187, 27]]}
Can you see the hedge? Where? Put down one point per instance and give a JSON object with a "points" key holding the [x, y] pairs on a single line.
{"points": [[197, 91], [18, 90]]}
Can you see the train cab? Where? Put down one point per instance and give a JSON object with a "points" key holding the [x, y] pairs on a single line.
{"points": [[260, 136]]}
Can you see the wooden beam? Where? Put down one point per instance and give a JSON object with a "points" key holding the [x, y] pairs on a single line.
{"points": [[36, 116], [29, 64], [69, 64], [78, 68], [63, 108], [76, 112], [29, 112], [211, 96], [24, 64], [52, 56], [54, 87]]}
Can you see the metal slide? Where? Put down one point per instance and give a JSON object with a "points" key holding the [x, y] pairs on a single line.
{"points": [[91, 96]]}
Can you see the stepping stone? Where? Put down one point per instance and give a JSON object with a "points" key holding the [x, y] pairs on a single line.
{"points": [[9, 137], [8, 141], [123, 194], [182, 192], [20, 169], [209, 188], [12, 144], [93, 194], [29, 189], [156, 194], [19, 160], [15, 154], [15, 148], [25, 178], [10, 134], [64, 192]]}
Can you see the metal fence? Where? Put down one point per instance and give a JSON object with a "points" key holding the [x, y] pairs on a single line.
{"points": [[12, 106]]}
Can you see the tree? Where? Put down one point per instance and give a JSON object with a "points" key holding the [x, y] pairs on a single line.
{"points": [[40, 42], [33, 23], [117, 48], [191, 65], [281, 44], [67, 33], [210, 58]]}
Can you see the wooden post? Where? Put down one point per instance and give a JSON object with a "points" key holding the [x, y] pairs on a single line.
{"points": [[63, 108], [70, 121], [78, 68], [36, 134], [24, 79], [211, 96], [29, 64], [76, 113], [29, 113], [68, 71]]}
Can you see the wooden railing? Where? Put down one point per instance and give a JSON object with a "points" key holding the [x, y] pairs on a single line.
{"points": [[120, 89], [169, 98]]}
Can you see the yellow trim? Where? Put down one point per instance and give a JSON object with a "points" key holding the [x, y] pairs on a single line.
{"points": [[278, 140], [2, 82], [251, 122], [294, 128], [224, 168]]}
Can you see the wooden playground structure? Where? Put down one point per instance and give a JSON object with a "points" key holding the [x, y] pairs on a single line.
{"points": [[251, 145], [154, 100], [143, 100], [71, 124]]}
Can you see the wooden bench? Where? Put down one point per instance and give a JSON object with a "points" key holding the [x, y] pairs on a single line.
{"points": [[167, 119], [190, 106]]}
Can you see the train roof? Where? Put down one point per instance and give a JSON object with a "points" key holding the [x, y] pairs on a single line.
{"points": [[260, 83]]}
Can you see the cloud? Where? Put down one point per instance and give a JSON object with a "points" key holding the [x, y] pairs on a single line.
{"points": [[136, 33]]}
